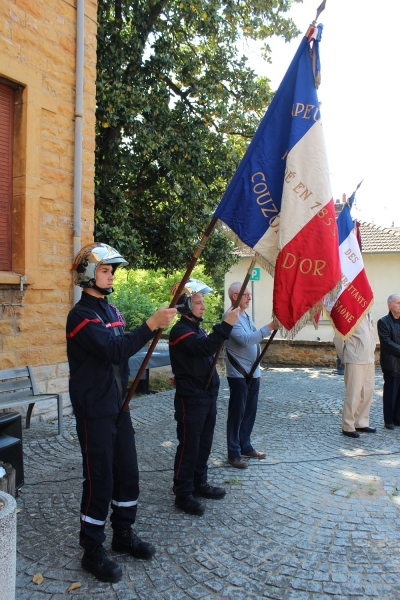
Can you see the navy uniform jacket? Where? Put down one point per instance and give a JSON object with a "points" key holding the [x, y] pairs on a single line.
{"points": [[389, 337], [191, 351], [92, 348]]}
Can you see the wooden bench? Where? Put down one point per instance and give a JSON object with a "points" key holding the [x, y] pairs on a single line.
{"points": [[18, 387]]}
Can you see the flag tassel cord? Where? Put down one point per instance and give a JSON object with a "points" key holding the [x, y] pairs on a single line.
{"points": [[196, 254]]}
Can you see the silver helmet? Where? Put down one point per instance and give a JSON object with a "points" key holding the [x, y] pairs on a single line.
{"points": [[193, 286], [89, 258]]}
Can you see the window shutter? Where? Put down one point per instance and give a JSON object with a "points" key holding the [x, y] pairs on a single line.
{"points": [[6, 179]]}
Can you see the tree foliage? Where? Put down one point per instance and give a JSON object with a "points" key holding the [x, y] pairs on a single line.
{"points": [[176, 107], [138, 294]]}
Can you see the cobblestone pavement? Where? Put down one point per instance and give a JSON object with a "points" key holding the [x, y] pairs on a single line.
{"points": [[317, 519]]}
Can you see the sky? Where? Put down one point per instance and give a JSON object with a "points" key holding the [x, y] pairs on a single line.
{"points": [[359, 96]]}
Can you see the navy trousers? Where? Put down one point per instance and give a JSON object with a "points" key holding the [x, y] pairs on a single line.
{"points": [[391, 399], [242, 412], [195, 430], [111, 474]]}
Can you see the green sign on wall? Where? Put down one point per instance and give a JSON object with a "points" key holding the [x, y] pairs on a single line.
{"points": [[255, 274]]}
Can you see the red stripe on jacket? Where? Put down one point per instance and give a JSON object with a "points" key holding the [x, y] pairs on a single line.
{"points": [[179, 339], [86, 321], [81, 325]]}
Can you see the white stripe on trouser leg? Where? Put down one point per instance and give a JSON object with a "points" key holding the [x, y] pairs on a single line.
{"points": [[129, 503], [90, 520]]}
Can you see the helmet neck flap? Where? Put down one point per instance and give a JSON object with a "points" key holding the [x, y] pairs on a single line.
{"points": [[184, 307]]}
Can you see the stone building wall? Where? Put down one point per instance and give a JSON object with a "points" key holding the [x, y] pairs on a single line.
{"points": [[37, 59], [284, 353]]}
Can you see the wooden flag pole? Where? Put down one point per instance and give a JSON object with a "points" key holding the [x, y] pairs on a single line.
{"points": [[236, 304], [259, 359], [196, 254]]}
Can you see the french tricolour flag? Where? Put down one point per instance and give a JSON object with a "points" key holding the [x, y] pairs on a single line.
{"points": [[355, 297], [279, 201]]}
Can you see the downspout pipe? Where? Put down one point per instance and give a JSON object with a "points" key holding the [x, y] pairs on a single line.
{"points": [[80, 58]]}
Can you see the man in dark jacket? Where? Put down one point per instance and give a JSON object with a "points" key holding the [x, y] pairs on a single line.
{"points": [[191, 351], [389, 337], [98, 351]]}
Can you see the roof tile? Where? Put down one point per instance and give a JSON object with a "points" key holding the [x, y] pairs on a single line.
{"points": [[375, 238]]}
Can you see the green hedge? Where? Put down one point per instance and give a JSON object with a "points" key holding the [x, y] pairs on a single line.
{"points": [[138, 294]]}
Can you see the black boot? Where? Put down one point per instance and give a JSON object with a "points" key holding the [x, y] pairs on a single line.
{"points": [[208, 491], [97, 562], [126, 540], [190, 505]]}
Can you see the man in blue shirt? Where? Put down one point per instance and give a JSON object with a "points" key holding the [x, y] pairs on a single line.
{"points": [[242, 350]]}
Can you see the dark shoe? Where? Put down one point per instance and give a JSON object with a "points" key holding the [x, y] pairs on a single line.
{"points": [[389, 426], [189, 505], [126, 540], [397, 423], [97, 562], [208, 491], [238, 462], [366, 429], [254, 454], [352, 434]]}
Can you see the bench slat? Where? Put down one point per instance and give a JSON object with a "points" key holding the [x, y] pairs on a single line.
{"points": [[13, 373], [18, 387], [15, 395], [15, 384], [18, 402], [25, 394], [27, 400]]}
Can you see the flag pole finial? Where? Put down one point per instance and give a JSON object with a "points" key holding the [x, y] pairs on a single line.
{"points": [[313, 25], [320, 8]]}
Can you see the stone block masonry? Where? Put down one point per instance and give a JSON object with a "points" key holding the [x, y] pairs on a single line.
{"points": [[37, 61], [284, 353]]}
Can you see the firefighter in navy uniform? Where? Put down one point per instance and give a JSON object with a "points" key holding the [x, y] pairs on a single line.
{"points": [[98, 352], [191, 351]]}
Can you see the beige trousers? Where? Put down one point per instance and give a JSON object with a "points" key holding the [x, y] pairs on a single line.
{"points": [[359, 381]]}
